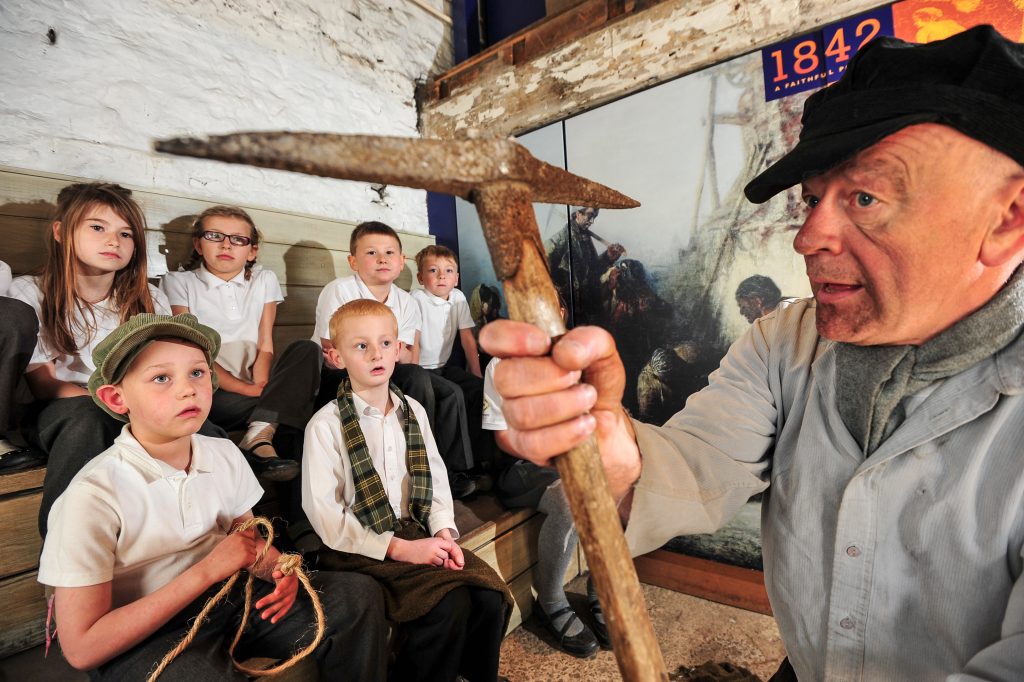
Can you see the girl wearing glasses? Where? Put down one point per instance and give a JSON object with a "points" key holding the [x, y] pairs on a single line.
{"points": [[226, 290]]}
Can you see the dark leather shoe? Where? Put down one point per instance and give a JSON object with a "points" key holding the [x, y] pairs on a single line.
{"points": [[19, 459], [273, 469], [461, 485], [581, 645], [600, 628]]}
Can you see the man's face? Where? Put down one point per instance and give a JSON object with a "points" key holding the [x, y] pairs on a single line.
{"points": [[892, 238], [439, 276], [377, 259], [368, 348], [750, 307], [167, 391], [585, 217]]}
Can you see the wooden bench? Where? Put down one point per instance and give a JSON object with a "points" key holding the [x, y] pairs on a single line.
{"points": [[305, 252]]}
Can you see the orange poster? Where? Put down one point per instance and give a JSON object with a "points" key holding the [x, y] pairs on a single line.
{"points": [[922, 21]]}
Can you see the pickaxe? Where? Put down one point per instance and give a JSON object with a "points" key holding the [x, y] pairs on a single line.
{"points": [[502, 179]]}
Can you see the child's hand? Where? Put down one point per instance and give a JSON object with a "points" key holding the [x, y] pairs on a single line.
{"points": [[456, 560], [234, 552], [432, 551], [279, 602]]}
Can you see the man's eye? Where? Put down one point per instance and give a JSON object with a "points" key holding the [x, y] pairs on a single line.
{"points": [[811, 200], [198, 373], [864, 199]]}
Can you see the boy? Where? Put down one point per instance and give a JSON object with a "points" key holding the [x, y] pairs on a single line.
{"points": [[376, 259], [374, 489], [445, 312], [140, 538]]}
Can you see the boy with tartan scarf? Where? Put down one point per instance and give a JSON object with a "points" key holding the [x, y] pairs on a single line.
{"points": [[376, 491]]}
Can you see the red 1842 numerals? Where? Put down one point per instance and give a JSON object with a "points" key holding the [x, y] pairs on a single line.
{"points": [[805, 53]]}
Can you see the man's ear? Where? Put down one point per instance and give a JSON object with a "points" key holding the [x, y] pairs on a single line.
{"points": [[1005, 241], [113, 397]]}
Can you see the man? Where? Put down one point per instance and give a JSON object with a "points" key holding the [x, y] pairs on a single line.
{"points": [[577, 267], [757, 296], [885, 417]]}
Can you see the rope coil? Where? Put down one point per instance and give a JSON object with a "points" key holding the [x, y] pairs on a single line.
{"points": [[287, 564]]}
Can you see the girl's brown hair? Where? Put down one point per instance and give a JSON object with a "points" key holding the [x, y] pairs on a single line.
{"points": [[129, 294], [228, 212]]}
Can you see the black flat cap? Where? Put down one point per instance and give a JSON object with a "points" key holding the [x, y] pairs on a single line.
{"points": [[972, 81]]}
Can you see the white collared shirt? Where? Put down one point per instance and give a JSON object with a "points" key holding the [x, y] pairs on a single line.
{"points": [[5, 278], [441, 321], [345, 289], [328, 488], [233, 307], [493, 418], [76, 368], [134, 520]]}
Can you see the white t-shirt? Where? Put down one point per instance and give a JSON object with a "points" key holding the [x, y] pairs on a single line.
{"points": [[232, 307], [328, 488], [442, 319], [494, 418], [5, 277], [345, 289], [134, 520], [77, 368]]}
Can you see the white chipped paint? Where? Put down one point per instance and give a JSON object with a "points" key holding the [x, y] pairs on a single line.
{"points": [[124, 73]]}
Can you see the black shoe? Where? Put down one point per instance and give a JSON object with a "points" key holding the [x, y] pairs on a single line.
{"points": [[600, 627], [273, 469], [19, 459], [461, 485], [581, 645]]}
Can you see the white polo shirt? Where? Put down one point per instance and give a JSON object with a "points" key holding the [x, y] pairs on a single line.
{"points": [[233, 307], [493, 418], [5, 278], [345, 289], [442, 319], [138, 522], [328, 487], [76, 368]]}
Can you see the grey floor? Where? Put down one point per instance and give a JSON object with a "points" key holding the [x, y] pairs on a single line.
{"points": [[690, 631]]}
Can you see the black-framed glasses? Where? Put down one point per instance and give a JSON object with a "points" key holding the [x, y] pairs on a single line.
{"points": [[235, 239]]}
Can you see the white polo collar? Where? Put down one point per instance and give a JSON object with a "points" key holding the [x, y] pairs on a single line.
{"points": [[437, 300], [151, 468], [212, 281]]}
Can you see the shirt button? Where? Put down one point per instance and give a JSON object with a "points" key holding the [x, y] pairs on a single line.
{"points": [[853, 550], [846, 623]]}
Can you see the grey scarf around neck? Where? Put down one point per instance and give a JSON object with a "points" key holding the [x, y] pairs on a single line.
{"points": [[872, 381]]}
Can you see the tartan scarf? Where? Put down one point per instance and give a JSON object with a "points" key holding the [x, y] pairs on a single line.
{"points": [[371, 505]]}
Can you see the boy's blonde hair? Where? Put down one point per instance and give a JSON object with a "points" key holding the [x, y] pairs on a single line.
{"points": [[435, 251], [361, 307]]}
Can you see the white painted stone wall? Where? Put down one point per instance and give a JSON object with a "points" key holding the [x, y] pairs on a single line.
{"points": [[125, 72]]}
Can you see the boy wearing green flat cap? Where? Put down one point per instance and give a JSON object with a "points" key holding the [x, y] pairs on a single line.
{"points": [[141, 537]]}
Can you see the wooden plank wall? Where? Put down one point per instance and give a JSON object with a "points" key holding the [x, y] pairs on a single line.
{"points": [[305, 252]]}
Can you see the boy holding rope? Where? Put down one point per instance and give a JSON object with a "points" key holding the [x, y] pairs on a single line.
{"points": [[141, 537], [375, 489]]}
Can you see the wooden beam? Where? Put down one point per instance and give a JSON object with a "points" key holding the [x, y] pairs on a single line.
{"points": [[510, 90], [723, 583]]}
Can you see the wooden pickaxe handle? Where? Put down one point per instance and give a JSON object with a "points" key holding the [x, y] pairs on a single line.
{"points": [[506, 213]]}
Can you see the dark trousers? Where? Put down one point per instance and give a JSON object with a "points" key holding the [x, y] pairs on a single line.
{"points": [[18, 333], [441, 399], [286, 399], [71, 431], [460, 636], [354, 645], [471, 388]]}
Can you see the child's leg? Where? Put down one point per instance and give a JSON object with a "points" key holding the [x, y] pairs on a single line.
{"points": [[556, 548], [446, 410], [294, 379], [472, 388], [355, 642], [434, 643], [18, 335], [486, 630], [205, 659]]}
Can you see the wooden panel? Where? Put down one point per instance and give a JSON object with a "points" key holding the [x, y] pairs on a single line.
{"points": [[286, 334], [23, 615], [725, 584], [665, 41], [502, 523], [20, 481], [522, 597], [515, 551], [21, 535]]}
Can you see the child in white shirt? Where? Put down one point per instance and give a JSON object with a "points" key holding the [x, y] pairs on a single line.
{"points": [[374, 488], [225, 289], [17, 339]]}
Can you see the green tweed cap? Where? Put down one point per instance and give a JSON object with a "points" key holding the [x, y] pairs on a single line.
{"points": [[114, 354]]}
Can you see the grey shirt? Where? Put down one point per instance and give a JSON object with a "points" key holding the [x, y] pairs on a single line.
{"points": [[904, 566]]}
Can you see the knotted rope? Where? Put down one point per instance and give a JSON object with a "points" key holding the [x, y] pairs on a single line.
{"points": [[287, 564]]}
